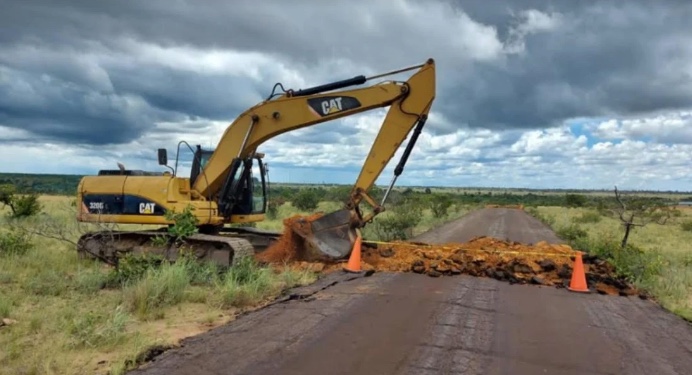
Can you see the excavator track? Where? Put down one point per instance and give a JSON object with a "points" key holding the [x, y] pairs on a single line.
{"points": [[225, 248]]}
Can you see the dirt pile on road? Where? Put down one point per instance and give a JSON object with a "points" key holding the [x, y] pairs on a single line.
{"points": [[542, 263], [513, 262]]}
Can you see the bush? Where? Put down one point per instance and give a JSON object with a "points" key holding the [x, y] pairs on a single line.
{"points": [[686, 225], [631, 262], [439, 204], [20, 206], [575, 200], [397, 223], [27, 205], [588, 217], [272, 209], [306, 200], [14, 243], [132, 268], [184, 223], [572, 233]]}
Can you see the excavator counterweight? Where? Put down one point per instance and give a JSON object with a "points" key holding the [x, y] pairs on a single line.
{"points": [[228, 185]]}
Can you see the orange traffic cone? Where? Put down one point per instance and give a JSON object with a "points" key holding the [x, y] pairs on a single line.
{"points": [[578, 282], [353, 264]]}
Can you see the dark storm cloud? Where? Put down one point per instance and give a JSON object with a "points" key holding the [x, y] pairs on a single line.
{"points": [[56, 109], [602, 58], [217, 96]]}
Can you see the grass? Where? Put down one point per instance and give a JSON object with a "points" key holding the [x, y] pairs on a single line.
{"points": [[658, 257], [80, 316]]}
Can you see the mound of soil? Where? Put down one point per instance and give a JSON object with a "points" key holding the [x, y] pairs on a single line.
{"points": [[513, 262], [290, 246], [542, 263]]}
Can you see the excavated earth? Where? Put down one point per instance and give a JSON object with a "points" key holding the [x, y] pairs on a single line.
{"points": [[541, 263]]}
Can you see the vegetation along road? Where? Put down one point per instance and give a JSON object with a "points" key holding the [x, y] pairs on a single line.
{"points": [[406, 323]]}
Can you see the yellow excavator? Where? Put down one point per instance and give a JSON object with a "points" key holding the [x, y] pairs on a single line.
{"points": [[228, 184]]}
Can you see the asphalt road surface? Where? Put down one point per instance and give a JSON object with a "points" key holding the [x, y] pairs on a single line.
{"points": [[414, 324]]}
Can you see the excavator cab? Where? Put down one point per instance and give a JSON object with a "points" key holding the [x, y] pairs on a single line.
{"points": [[199, 160], [245, 190]]}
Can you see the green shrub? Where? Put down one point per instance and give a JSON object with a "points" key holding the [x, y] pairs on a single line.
{"points": [[20, 206], [686, 225], [133, 267], [439, 204], [571, 233], [14, 243], [575, 200], [632, 262], [588, 217], [27, 205], [184, 223], [272, 209], [306, 200], [396, 224]]}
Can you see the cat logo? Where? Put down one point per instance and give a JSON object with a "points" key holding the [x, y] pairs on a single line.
{"points": [[330, 106], [146, 208]]}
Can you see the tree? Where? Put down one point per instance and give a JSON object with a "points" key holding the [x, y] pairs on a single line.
{"points": [[638, 213], [398, 222], [21, 206], [306, 200], [439, 204], [575, 200]]}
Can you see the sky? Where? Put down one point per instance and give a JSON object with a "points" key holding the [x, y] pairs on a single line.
{"points": [[530, 94]]}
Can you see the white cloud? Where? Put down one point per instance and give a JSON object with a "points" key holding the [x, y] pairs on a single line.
{"points": [[667, 128], [554, 158]]}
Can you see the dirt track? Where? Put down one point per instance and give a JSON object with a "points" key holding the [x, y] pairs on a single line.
{"points": [[414, 324]]}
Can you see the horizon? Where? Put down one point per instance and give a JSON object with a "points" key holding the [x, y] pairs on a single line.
{"points": [[400, 186]]}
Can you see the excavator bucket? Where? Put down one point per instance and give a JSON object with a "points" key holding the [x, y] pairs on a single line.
{"points": [[328, 237]]}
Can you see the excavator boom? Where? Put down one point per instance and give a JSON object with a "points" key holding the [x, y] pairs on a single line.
{"points": [[408, 101]]}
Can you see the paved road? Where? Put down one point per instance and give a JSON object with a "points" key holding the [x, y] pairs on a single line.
{"points": [[414, 324]]}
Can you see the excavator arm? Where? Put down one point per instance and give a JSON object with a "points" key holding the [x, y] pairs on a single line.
{"points": [[293, 110], [332, 235]]}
